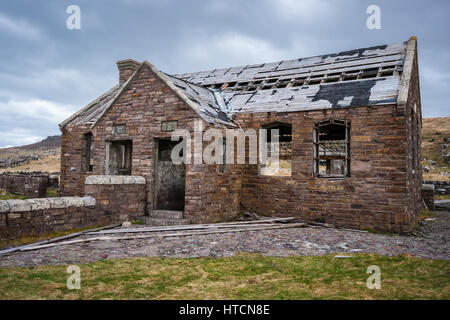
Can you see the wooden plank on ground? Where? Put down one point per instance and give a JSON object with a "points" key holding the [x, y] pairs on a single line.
{"points": [[178, 234], [189, 227], [68, 236]]}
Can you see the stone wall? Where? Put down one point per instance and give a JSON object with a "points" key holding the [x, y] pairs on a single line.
{"points": [[382, 192], [428, 195], [108, 200], [121, 197], [209, 196], [412, 112], [39, 216], [27, 184], [441, 187], [374, 196], [72, 174]]}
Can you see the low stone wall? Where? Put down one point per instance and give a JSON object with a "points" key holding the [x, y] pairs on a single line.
{"points": [[108, 200], [123, 196], [37, 216], [27, 184], [440, 187], [428, 195]]}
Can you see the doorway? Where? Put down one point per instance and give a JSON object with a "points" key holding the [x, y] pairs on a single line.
{"points": [[170, 178]]}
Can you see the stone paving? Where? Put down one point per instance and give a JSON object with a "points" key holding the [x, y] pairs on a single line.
{"points": [[430, 240]]}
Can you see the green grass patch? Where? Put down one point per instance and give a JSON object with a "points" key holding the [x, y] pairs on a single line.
{"points": [[442, 197], [52, 192], [425, 214], [246, 276], [4, 195]]}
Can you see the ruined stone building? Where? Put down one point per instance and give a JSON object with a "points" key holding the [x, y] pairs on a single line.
{"points": [[349, 130]]}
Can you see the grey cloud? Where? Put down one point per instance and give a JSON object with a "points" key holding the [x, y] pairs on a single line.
{"points": [[40, 59]]}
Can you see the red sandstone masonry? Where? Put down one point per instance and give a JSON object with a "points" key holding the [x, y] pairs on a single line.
{"points": [[30, 185], [428, 195], [380, 194], [374, 196], [72, 176], [209, 195], [110, 200], [122, 197], [414, 127], [39, 216]]}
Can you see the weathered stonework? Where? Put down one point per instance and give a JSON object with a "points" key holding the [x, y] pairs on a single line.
{"points": [[72, 176], [428, 195], [26, 184], [121, 197], [108, 200], [209, 195], [382, 191], [38, 216], [372, 197]]}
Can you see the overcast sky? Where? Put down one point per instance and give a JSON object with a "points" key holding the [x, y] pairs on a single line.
{"points": [[48, 71]]}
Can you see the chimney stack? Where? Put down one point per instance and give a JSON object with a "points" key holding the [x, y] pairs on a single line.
{"points": [[126, 69]]}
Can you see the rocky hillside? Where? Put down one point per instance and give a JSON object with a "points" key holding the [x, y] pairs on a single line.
{"points": [[45, 155], [436, 149], [40, 156]]}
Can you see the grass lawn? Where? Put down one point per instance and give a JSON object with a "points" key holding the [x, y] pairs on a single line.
{"points": [[442, 197], [246, 276], [7, 196]]}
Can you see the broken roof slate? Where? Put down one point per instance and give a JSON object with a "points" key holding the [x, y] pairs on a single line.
{"points": [[358, 59], [323, 96], [361, 77], [205, 99]]}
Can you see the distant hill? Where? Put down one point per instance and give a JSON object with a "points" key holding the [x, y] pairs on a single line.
{"points": [[51, 142], [42, 156]]}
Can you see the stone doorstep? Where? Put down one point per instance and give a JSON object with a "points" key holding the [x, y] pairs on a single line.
{"points": [[166, 214], [165, 222]]}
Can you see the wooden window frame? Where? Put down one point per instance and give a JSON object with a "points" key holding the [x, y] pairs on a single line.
{"points": [[316, 156], [269, 126]]}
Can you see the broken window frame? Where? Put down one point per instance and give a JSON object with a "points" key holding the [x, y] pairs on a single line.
{"points": [[87, 164], [288, 157], [122, 169], [316, 143]]}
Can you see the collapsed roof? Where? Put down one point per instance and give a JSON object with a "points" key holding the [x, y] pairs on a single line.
{"points": [[362, 77]]}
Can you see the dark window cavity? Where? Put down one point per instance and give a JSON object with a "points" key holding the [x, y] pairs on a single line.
{"points": [[284, 166], [87, 158], [332, 148]]}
